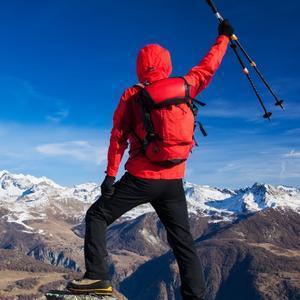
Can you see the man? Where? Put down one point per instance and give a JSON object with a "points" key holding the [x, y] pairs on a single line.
{"points": [[147, 181]]}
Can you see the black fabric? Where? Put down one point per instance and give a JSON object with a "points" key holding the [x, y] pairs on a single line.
{"points": [[146, 115], [198, 102], [203, 131], [168, 199], [107, 188], [226, 28]]}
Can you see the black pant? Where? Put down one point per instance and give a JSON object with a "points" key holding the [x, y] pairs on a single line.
{"points": [[168, 199]]}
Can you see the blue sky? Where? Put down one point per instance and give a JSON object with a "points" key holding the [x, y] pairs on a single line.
{"points": [[64, 65]]}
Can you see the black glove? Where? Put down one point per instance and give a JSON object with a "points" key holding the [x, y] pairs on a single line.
{"points": [[225, 28], [107, 188]]}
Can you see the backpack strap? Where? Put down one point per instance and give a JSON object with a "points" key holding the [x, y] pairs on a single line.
{"points": [[194, 108], [149, 127], [146, 115]]}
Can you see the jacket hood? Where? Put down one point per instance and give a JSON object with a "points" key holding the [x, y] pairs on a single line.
{"points": [[153, 63]]}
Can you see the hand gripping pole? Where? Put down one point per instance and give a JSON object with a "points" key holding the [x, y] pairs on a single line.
{"points": [[235, 41]]}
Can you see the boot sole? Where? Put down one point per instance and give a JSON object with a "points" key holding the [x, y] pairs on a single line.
{"points": [[101, 292]]}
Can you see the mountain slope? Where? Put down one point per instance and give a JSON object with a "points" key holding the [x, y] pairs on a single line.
{"points": [[236, 267], [248, 239]]}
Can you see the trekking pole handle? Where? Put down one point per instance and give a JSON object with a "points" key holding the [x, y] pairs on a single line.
{"points": [[219, 17], [215, 10]]}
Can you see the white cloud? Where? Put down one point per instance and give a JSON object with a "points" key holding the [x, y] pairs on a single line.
{"points": [[283, 169], [232, 166], [58, 116], [68, 154], [74, 155], [289, 169], [292, 154], [239, 161], [80, 150]]}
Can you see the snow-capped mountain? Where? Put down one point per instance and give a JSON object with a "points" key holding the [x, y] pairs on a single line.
{"points": [[230, 203], [26, 197], [21, 186], [252, 230]]}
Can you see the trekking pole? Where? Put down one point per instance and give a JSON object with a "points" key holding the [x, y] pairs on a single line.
{"points": [[267, 114], [234, 39]]}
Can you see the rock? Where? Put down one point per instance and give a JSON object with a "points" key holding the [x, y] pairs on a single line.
{"points": [[59, 295]]}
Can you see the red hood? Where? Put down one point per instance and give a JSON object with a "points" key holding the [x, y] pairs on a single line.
{"points": [[153, 63]]}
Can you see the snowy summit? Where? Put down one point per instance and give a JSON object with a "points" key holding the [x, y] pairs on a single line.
{"points": [[25, 197]]}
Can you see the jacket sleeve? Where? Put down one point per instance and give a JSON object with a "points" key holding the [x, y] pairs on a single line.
{"points": [[119, 135], [200, 76]]}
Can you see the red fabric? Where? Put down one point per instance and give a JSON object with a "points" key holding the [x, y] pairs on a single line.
{"points": [[172, 123], [154, 63], [165, 89]]}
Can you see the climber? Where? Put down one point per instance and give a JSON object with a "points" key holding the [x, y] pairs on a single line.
{"points": [[156, 117]]}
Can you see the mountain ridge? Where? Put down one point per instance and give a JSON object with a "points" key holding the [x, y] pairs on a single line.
{"points": [[244, 234], [210, 201]]}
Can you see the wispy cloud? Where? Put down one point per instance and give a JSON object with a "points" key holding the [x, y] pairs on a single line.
{"points": [[80, 150], [223, 108], [290, 170], [291, 111], [58, 116], [231, 166], [243, 159], [22, 96], [286, 85], [233, 161], [235, 108], [292, 154], [44, 150], [294, 131], [24, 89]]}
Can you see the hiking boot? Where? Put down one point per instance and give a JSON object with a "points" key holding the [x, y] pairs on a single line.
{"points": [[85, 286]]}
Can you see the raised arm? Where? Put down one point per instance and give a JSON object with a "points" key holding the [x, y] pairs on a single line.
{"points": [[200, 76]]}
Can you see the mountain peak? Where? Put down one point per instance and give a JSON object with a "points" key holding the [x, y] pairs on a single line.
{"points": [[218, 204], [24, 181], [3, 172], [260, 185]]}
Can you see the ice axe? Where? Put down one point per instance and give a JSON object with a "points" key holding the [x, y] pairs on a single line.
{"points": [[235, 45]]}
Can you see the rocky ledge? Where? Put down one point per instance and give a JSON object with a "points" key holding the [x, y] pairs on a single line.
{"points": [[58, 295]]}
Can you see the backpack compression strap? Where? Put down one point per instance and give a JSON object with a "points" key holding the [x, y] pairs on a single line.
{"points": [[147, 122], [194, 108]]}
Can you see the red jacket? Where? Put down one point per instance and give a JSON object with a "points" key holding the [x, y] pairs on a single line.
{"points": [[154, 63]]}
